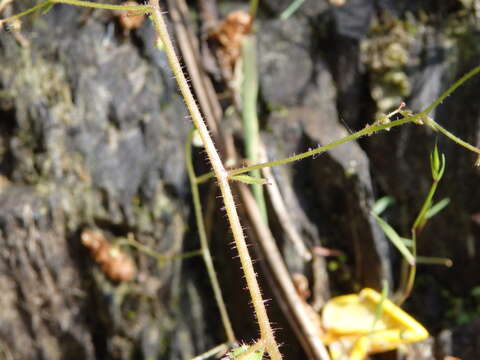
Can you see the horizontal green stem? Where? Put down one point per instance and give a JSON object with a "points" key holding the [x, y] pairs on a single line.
{"points": [[162, 258], [454, 138], [27, 12], [321, 149], [90, 4], [368, 131]]}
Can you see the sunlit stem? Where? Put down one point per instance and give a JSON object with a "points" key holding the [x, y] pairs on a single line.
{"points": [[368, 131], [221, 175], [43, 5], [90, 4]]}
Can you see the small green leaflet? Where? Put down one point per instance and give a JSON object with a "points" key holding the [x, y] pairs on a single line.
{"points": [[395, 239], [435, 209], [256, 355], [247, 179], [382, 204]]}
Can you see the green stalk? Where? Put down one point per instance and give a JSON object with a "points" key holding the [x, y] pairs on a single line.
{"points": [[253, 8], [27, 12], [250, 118], [437, 164], [90, 4], [368, 131], [321, 149], [290, 10], [207, 257]]}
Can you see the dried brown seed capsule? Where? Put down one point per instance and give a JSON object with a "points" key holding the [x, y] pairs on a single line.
{"points": [[229, 35], [115, 264], [128, 19]]}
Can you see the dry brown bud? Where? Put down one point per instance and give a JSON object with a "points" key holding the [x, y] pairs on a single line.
{"points": [[128, 19], [114, 263], [300, 282], [229, 35]]}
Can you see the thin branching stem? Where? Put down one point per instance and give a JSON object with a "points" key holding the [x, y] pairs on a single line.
{"points": [[26, 12], [451, 89], [368, 131], [88, 4], [321, 149], [456, 139]]}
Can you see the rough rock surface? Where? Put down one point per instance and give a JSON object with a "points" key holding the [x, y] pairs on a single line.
{"points": [[92, 134]]}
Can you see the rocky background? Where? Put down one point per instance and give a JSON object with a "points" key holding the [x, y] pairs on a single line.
{"points": [[92, 133]]}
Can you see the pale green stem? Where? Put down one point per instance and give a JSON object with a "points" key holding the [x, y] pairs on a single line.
{"points": [[221, 175], [207, 258], [26, 12], [416, 227], [250, 118], [451, 89], [456, 139], [290, 10], [253, 8], [161, 258], [90, 4], [321, 149], [368, 131]]}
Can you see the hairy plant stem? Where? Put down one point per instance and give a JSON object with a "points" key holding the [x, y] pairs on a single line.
{"points": [[207, 258], [369, 131], [91, 4], [266, 332], [88, 4]]}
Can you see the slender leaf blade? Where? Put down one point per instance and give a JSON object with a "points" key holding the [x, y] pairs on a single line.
{"points": [[436, 208], [395, 239]]}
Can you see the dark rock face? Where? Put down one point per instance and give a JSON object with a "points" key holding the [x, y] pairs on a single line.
{"points": [[92, 134]]}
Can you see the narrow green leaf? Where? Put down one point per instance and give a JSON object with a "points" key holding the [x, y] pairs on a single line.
{"points": [[395, 239], [435, 209], [382, 204], [247, 179]]}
